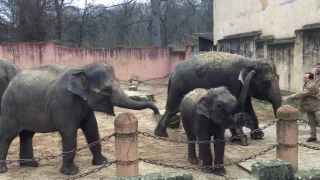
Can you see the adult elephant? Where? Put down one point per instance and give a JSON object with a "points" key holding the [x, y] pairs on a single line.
{"points": [[53, 98], [7, 71], [214, 69], [207, 113]]}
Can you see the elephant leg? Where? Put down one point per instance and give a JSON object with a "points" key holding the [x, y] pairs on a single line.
{"points": [[234, 134], [90, 129], [7, 134], [172, 108], [243, 138], [206, 152], [192, 149], [249, 109], [219, 151], [69, 142], [26, 149], [200, 153]]}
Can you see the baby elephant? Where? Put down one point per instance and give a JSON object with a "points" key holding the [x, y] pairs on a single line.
{"points": [[207, 113], [241, 119]]}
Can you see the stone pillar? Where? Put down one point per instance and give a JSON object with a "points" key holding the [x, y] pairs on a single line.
{"points": [[299, 65], [126, 145], [287, 135]]}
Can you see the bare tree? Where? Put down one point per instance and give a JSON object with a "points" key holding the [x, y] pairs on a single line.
{"points": [[59, 5], [129, 23]]}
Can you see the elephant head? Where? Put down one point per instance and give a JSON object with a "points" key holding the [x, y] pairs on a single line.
{"points": [[221, 106], [97, 84], [244, 119], [265, 83]]}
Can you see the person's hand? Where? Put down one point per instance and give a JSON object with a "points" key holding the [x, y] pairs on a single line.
{"points": [[284, 98]]}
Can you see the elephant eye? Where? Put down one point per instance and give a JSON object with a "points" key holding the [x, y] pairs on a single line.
{"points": [[220, 106]]}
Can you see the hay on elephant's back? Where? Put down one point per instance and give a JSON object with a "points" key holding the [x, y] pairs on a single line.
{"points": [[214, 59], [196, 95]]}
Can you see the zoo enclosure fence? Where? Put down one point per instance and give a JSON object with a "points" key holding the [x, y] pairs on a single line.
{"points": [[127, 160]]}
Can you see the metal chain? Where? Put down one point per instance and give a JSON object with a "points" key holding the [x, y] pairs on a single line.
{"points": [[177, 166], [204, 167], [61, 154], [92, 171], [307, 146], [304, 121], [204, 142]]}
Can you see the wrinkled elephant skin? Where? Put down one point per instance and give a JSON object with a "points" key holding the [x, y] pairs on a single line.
{"points": [[53, 98], [215, 69]]}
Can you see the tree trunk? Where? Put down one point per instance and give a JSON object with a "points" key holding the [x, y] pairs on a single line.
{"points": [[58, 19], [155, 26], [81, 28], [23, 29]]}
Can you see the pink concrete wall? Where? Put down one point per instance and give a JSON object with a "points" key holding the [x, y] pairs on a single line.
{"points": [[145, 63]]}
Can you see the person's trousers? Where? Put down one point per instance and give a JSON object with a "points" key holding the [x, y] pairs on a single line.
{"points": [[314, 118]]}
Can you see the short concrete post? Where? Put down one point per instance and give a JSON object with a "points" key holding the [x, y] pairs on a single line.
{"points": [[287, 135], [133, 88], [126, 127]]}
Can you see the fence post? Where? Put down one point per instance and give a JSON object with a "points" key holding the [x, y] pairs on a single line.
{"points": [[126, 145], [287, 135]]}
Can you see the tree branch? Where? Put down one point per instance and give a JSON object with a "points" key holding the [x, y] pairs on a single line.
{"points": [[137, 22], [195, 5]]}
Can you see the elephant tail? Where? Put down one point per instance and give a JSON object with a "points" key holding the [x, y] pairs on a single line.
{"points": [[169, 84]]}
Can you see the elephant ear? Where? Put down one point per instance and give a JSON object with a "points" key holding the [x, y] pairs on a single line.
{"points": [[77, 85], [202, 108]]}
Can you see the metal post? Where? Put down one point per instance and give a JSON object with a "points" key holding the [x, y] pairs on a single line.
{"points": [[126, 142], [287, 135]]}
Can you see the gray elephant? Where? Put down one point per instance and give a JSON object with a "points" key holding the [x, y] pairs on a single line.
{"points": [[53, 98], [207, 113], [7, 71], [215, 69]]}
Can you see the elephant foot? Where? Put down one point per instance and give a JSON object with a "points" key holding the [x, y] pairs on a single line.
{"points": [[244, 141], [257, 135], [99, 160], [193, 160], [234, 139], [207, 170], [220, 171], [30, 164], [3, 168], [200, 156], [70, 169], [161, 133]]}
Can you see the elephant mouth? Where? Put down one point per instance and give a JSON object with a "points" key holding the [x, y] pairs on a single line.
{"points": [[109, 109]]}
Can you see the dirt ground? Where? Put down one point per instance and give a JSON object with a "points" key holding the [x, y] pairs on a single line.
{"points": [[149, 148]]}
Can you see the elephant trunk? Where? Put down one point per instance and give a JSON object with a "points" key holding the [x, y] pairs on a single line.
{"points": [[240, 105], [120, 99], [274, 97]]}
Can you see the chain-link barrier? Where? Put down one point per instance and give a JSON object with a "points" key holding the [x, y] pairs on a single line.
{"points": [[205, 142], [93, 171], [307, 146], [175, 166], [61, 154], [307, 122], [160, 163], [204, 167]]}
